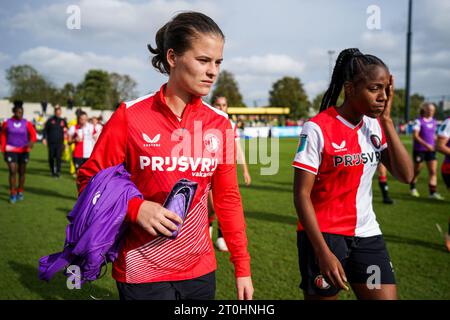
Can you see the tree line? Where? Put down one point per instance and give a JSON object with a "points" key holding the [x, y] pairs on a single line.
{"points": [[99, 89], [102, 90], [289, 92]]}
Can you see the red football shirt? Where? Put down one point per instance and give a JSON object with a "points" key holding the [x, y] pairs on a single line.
{"points": [[158, 149], [344, 158]]}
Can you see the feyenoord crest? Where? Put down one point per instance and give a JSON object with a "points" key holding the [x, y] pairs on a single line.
{"points": [[375, 141], [211, 142], [320, 283]]}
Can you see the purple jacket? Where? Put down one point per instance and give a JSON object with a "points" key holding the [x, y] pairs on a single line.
{"points": [[96, 225]]}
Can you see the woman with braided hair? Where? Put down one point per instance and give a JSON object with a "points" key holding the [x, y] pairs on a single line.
{"points": [[17, 138], [339, 239]]}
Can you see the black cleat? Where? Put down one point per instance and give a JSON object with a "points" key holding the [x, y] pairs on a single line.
{"points": [[387, 200]]}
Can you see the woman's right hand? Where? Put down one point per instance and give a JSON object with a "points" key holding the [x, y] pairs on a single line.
{"points": [[331, 268], [429, 147], [156, 219]]}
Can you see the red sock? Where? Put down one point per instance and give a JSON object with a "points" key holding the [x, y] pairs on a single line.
{"points": [[12, 192], [211, 218], [382, 179], [20, 190], [432, 189]]}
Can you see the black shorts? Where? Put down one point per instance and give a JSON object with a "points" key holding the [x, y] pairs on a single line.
{"points": [[420, 156], [78, 162], [446, 178], [201, 288], [16, 157], [365, 260]]}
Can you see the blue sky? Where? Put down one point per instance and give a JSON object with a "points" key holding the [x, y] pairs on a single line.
{"points": [[265, 40]]}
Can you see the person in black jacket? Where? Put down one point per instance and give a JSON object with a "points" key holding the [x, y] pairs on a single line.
{"points": [[54, 130]]}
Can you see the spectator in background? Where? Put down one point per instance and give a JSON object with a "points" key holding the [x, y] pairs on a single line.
{"points": [[402, 128], [82, 136], [39, 123], [424, 139], [17, 138], [221, 103], [70, 103], [383, 184], [53, 138], [97, 127], [44, 107], [72, 123]]}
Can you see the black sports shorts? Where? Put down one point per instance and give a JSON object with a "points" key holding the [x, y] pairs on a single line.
{"points": [[16, 157], [420, 156], [446, 178], [365, 261], [78, 162], [201, 288]]}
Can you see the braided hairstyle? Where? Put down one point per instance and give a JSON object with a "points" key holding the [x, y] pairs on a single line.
{"points": [[178, 34], [18, 104], [351, 65]]}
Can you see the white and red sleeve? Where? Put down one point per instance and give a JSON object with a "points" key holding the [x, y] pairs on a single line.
{"points": [[384, 144], [416, 125], [71, 131], [229, 210], [444, 129], [236, 133], [310, 147], [110, 150], [3, 136], [31, 132]]}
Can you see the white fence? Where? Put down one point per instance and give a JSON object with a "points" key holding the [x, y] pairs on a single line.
{"points": [[32, 110]]}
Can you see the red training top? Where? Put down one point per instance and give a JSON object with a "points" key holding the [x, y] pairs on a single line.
{"points": [[158, 149]]}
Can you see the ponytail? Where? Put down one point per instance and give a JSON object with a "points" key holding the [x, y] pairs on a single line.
{"points": [[159, 61], [178, 35]]}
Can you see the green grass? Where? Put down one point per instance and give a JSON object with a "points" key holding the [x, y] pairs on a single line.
{"points": [[36, 227]]}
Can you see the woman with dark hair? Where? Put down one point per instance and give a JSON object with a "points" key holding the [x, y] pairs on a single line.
{"points": [[339, 239], [164, 137], [17, 138]]}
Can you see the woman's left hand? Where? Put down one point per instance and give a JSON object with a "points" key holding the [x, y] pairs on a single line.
{"points": [[386, 115], [244, 288], [247, 179]]}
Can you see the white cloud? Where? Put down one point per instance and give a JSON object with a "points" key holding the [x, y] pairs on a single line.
{"points": [[4, 57], [381, 41], [290, 42], [105, 19], [431, 24], [434, 59], [270, 64], [313, 88], [256, 74], [4, 87], [64, 66]]}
